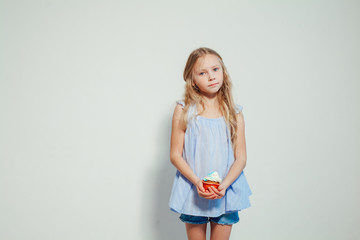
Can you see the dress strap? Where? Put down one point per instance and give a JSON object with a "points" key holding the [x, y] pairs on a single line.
{"points": [[238, 108]]}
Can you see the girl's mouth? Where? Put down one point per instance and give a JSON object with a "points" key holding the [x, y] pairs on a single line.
{"points": [[213, 84]]}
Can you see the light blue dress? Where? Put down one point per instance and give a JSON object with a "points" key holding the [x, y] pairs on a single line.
{"points": [[207, 148]]}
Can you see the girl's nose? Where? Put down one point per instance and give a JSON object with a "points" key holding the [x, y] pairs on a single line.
{"points": [[211, 77]]}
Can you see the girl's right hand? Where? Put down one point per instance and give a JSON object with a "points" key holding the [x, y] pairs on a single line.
{"points": [[202, 193]]}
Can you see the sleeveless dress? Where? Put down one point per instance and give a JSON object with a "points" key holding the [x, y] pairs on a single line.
{"points": [[207, 148]]}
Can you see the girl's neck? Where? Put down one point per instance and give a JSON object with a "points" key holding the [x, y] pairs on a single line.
{"points": [[210, 101], [211, 110]]}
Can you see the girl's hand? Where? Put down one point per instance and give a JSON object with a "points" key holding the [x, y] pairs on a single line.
{"points": [[219, 193], [202, 193]]}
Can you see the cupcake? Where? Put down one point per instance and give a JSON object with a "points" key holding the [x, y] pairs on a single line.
{"points": [[212, 179]]}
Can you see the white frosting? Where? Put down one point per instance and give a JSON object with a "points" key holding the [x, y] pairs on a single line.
{"points": [[214, 176]]}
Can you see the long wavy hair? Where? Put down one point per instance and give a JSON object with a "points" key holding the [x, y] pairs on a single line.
{"points": [[193, 96]]}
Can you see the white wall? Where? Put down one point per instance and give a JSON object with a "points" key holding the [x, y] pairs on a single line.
{"points": [[87, 90]]}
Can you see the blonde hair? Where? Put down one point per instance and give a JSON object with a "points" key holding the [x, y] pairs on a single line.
{"points": [[193, 96]]}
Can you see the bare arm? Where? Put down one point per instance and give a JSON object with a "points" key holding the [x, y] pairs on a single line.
{"points": [[240, 154], [176, 149], [240, 158]]}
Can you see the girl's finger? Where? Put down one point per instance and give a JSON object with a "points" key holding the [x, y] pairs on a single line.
{"points": [[215, 190], [205, 194], [200, 186], [213, 197]]}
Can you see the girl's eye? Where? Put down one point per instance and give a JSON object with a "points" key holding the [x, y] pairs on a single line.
{"points": [[216, 69], [202, 74]]}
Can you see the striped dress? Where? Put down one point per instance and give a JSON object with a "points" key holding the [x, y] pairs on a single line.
{"points": [[207, 148]]}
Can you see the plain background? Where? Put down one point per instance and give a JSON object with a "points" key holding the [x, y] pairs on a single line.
{"points": [[87, 91]]}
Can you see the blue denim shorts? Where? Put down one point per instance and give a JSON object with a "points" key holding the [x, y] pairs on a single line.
{"points": [[225, 219]]}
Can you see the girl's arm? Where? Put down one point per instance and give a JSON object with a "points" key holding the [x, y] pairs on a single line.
{"points": [[240, 158], [176, 149]]}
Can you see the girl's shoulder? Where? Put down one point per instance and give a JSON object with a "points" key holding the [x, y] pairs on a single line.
{"points": [[181, 102], [238, 108]]}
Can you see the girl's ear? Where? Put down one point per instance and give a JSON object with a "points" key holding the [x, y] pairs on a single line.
{"points": [[193, 83], [195, 87]]}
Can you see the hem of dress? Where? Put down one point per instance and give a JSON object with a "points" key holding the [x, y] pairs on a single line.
{"points": [[199, 215]]}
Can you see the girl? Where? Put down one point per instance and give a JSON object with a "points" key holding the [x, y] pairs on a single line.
{"points": [[208, 135]]}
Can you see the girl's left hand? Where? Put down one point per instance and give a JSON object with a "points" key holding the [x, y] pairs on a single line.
{"points": [[220, 192]]}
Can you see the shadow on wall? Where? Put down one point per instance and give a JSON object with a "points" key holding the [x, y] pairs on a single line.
{"points": [[165, 223]]}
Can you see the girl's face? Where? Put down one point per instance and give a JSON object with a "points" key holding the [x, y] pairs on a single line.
{"points": [[208, 74]]}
